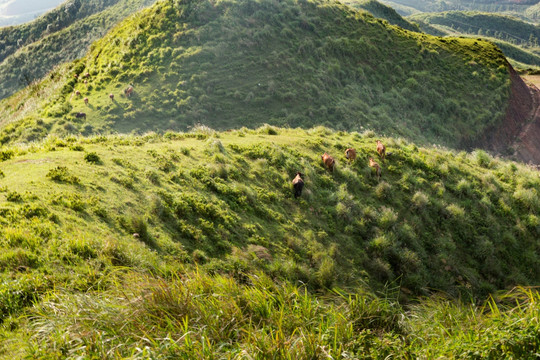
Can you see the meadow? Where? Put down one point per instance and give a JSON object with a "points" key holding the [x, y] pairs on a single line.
{"points": [[226, 263]]}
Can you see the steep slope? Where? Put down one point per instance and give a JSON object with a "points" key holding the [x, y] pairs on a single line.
{"points": [[295, 63], [463, 224], [29, 51]]}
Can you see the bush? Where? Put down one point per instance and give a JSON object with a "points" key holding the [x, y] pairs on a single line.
{"points": [[92, 158], [13, 196], [62, 174]]}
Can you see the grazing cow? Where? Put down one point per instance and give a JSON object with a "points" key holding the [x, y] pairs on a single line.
{"points": [[77, 93], [298, 185], [128, 91], [377, 168], [86, 101], [87, 75], [328, 161], [381, 149], [111, 96], [350, 154], [80, 115]]}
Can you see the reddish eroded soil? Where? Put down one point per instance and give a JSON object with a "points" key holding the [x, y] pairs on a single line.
{"points": [[518, 136]]}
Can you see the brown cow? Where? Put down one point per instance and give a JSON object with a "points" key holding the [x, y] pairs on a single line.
{"points": [[80, 115], [350, 154], [328, 161], [298, 185], [128, 91], [111, 96], [381, 149], [377, 168], [86, 100], [77, 93]]}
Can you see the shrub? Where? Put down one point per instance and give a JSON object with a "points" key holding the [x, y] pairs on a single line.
{"points": [[13, 196], [62, 174], [6, 154], [455, 210], [420, 200], [92, 158]]}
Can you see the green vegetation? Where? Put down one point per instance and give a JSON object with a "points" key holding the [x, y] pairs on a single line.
{"points": [[517, 39], [408, 7], [191, 245], [507, 28], [30, 51], [382, 11], [245, 63]]}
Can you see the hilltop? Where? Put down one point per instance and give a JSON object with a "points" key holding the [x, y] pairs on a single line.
{"points": [[438, 221], [245, 63]]}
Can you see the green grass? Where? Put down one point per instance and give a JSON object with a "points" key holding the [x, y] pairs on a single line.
{"points": [[225, 262], [382, 11], [28, 52], [287, 64]]}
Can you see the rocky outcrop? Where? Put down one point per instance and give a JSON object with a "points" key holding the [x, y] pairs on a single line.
{"points": [[518, 136]]}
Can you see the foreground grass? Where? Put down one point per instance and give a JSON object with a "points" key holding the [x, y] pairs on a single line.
{"points": [[191, 315], [192, 245]]}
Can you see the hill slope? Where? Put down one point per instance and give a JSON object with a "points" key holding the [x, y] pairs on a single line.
{"points": [[463, 224], [29, 51], [291, 63], [381, 11], [502, 27]]}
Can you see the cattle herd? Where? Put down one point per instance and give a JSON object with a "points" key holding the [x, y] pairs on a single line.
{"points": [[127, 92], [330, 163]]}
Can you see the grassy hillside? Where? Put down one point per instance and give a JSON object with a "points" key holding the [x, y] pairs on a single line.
{"points": [[438, 221], [381, 11], [516, 38], [510, 29], [408, 7], [293, 63], [30, 51]]}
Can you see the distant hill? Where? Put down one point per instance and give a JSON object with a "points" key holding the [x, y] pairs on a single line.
{"points": [[29, 51], [516, 38], [246, 63], [379, 10], [13, 12], [408, 7], [509, 29]]}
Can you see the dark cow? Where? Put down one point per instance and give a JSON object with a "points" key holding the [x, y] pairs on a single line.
{"points": [[298, 185], [80, 115]]}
